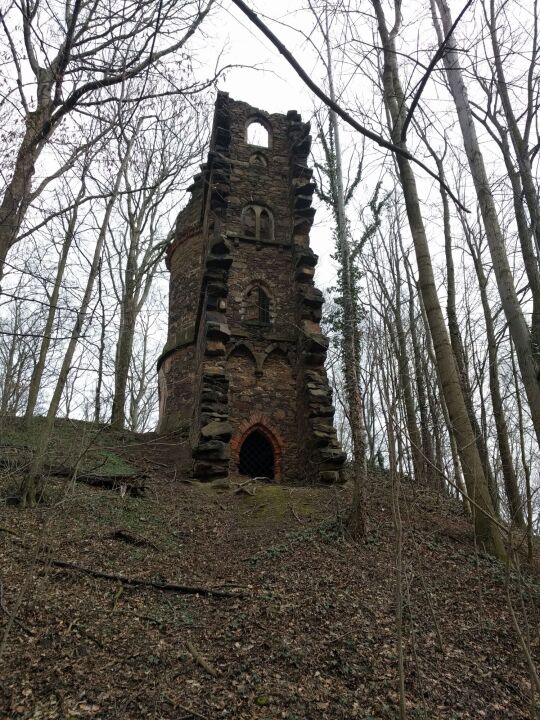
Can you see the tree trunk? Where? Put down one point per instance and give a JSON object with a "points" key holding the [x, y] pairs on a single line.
{"points": [[516, 322], [457, 343], [356, 524], [520, 144], [124, 349], [31, 487], [37, 375], [420, 378], [524, 461], [487, 531], [101, 351], [7, 385], [18, 190], [398, 340], [507, 461]]}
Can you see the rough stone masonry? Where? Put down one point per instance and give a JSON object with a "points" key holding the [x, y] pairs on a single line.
{"points": [[242, 373]]}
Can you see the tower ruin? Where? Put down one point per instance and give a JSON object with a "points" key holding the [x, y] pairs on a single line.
{"points": [[242, 372]]}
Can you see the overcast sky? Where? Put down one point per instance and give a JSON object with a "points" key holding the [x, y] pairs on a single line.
{"points": [[269, 83]]}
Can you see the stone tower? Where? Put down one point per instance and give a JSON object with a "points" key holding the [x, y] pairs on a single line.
{"points": [[242, 373]]}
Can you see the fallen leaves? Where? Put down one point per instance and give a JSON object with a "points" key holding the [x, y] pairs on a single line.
{"points": [[313, 638]]}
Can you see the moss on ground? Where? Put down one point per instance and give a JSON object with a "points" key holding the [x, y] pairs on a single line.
{"points": [[273, 504], [94, 447]]}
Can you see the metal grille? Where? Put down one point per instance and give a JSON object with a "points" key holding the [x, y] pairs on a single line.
{"points": [[264, 307], [257, 456]]}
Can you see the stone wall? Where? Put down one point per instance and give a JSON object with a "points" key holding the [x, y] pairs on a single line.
{"points": [[242, 244], [268, 393]]}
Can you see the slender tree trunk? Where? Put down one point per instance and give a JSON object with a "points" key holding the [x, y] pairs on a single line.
{"points": [[356, 524], [37, 375], [523, 452], [138, 391], [457, 343], [7, 385], [420, 378], [519, 139], [101, 351], [124, 350], [398, 340], [530, 259], [507, 462], [516, 322], [487, 531], [434, 401], [30, 489]]}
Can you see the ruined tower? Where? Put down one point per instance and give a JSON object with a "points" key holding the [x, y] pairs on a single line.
{"points": [[242, 372]]}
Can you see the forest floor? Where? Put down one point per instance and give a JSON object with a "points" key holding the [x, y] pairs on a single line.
{"points": [[309, 630]]}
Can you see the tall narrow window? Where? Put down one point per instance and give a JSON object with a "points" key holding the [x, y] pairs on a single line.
{"points": [[265, 225], [264, 306], [257, 307], [249, 221]]}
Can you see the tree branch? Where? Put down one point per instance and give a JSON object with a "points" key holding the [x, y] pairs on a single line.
{"points": [[343, 114]]}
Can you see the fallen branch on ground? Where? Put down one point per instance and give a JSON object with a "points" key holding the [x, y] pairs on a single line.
{"points": [[126, 484], [203, 662], [141, 582]]}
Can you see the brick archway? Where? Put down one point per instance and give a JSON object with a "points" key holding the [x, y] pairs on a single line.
{"points": [[260, 423]]}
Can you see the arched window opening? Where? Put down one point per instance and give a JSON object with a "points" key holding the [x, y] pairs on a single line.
{"points": [[257, 134], [265, 223], [258, 306], [257, 222], [264, 306], [257, 456], [249, 221]]}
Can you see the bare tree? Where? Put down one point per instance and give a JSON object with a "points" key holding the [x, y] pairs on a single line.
{"points": [[161, 155], [30, 489], [517, 324], [75, 53], [487, 529], [70, 226]]}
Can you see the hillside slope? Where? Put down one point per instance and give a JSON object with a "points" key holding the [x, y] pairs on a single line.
{"points": [[308, 632]]}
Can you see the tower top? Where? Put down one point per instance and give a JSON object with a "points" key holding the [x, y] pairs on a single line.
{"points": [[264, 157]]}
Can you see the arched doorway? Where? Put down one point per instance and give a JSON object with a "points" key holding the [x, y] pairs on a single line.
{"points": [[262, 455], [256, 457]]}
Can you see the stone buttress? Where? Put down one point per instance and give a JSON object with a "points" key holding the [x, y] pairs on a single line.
{"points": [[242, 373]]}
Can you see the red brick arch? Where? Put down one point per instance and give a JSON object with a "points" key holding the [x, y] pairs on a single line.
{"points": [[261, 423]]}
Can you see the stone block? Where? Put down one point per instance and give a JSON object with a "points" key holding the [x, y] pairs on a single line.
{"points": [[212, 450], [218, 331], [215, 347], [304, 274], [217, 429]]}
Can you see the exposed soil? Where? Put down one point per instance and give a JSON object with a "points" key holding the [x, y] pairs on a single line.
{"points": [[309, 633]]}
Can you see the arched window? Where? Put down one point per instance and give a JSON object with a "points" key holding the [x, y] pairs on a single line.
{"points": [[257, 134], [264, 306], [249, 221], [258, 222], [258, 307], [265, 225]]}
